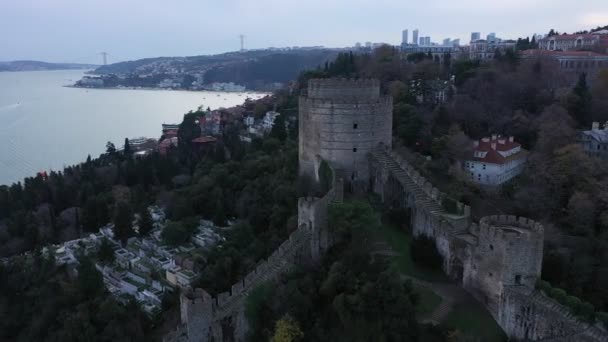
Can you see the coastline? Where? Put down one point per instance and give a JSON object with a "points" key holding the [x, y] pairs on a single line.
{"points": [[252, 92]]}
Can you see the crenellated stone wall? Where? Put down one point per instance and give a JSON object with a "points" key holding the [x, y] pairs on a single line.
{"points": [[222, 318], [498, 260]]}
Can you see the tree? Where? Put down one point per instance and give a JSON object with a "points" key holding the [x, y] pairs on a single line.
{"points": [[127, 150], [106, 253], [581, 213], [110, 148], [351, 217], [287, 329], [145, 222], [89, 281], [278, 128], [579, 102], [175, 234], [123, 222]]}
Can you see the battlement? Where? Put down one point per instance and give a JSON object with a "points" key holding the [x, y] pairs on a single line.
{"points": [[347, 101], [343, 87], [510, 226]]}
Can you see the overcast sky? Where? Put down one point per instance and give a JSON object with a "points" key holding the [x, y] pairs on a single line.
{"points": [[75, 30]]}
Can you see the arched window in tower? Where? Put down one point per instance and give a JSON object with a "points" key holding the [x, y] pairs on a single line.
{"points": [[355, 125]]}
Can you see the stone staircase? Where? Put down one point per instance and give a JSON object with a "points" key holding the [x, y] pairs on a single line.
{"points": [[421, 197]]}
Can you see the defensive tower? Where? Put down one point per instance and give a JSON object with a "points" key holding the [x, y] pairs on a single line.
{"points": [[509, 253], [341, 121]]}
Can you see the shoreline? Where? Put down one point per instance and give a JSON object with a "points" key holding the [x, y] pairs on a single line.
{"points": [[253, 92]]}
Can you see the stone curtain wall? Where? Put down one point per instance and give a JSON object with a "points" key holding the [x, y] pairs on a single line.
{"points": [[202, 315], [529, 315], [500, 259]]}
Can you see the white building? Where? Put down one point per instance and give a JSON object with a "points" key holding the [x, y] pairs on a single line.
{"points": [[495, 160], [595, 141], [268, 120]]}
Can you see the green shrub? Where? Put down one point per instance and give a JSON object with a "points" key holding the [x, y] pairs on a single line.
{"points": [[544, 286], [603, 318], [573, 303], [587, 311], [558, 294]]}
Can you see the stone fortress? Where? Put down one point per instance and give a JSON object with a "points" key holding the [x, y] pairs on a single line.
{"points": [[347, 123]]}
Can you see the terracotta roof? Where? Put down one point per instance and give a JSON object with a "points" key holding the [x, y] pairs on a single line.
{"points": [[492, 155], [203, 140]]}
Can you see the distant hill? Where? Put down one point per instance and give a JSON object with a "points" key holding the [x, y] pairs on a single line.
{"points": [[256, 69], [37, 65]]}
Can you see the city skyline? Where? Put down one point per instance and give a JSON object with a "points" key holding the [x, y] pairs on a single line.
{"points": [[70, 31]]}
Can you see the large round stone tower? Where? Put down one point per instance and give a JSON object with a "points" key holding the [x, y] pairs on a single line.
{"points": [[341, 120]]}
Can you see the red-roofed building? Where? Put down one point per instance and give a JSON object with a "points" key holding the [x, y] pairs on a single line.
{"points": [[568, 42], [495, 160], [166, 144]]}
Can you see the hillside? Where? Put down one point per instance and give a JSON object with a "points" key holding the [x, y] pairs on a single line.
{"points": [[257, 70], [37, 65]]}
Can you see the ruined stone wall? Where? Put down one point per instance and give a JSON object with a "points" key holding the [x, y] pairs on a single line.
{"points": [[340, 122]]}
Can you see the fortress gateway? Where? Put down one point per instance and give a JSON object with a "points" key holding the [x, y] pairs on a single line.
{"points": [[348, 123]]}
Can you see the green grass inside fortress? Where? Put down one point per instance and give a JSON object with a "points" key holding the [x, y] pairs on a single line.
{"points": [[471, 317], [429, 301], [399, 241]]}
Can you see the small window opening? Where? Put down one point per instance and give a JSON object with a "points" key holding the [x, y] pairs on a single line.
{"points": [[355, 126], [354, 149]]}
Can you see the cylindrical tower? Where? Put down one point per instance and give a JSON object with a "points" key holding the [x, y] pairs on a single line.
{"points": [[341, 120]]}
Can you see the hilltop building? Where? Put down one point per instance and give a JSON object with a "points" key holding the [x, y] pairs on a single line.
{"points": [[495, 160], [596, 41], [595, 141]]}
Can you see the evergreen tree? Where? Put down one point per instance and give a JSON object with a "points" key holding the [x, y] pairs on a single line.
{"points": [[145, 222], [110, 148], [579, 102], [89, 281], [127, 150], [123, 219], [278, 128], [106, 253]]}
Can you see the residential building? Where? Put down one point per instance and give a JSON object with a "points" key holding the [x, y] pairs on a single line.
{"points": [[249, 121], [404, 37], [484, 49], [572, 62], [475, 36], [596, 41], [595, 141], [495, 160], [268, 120], [179, 277], [415, 37]]}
